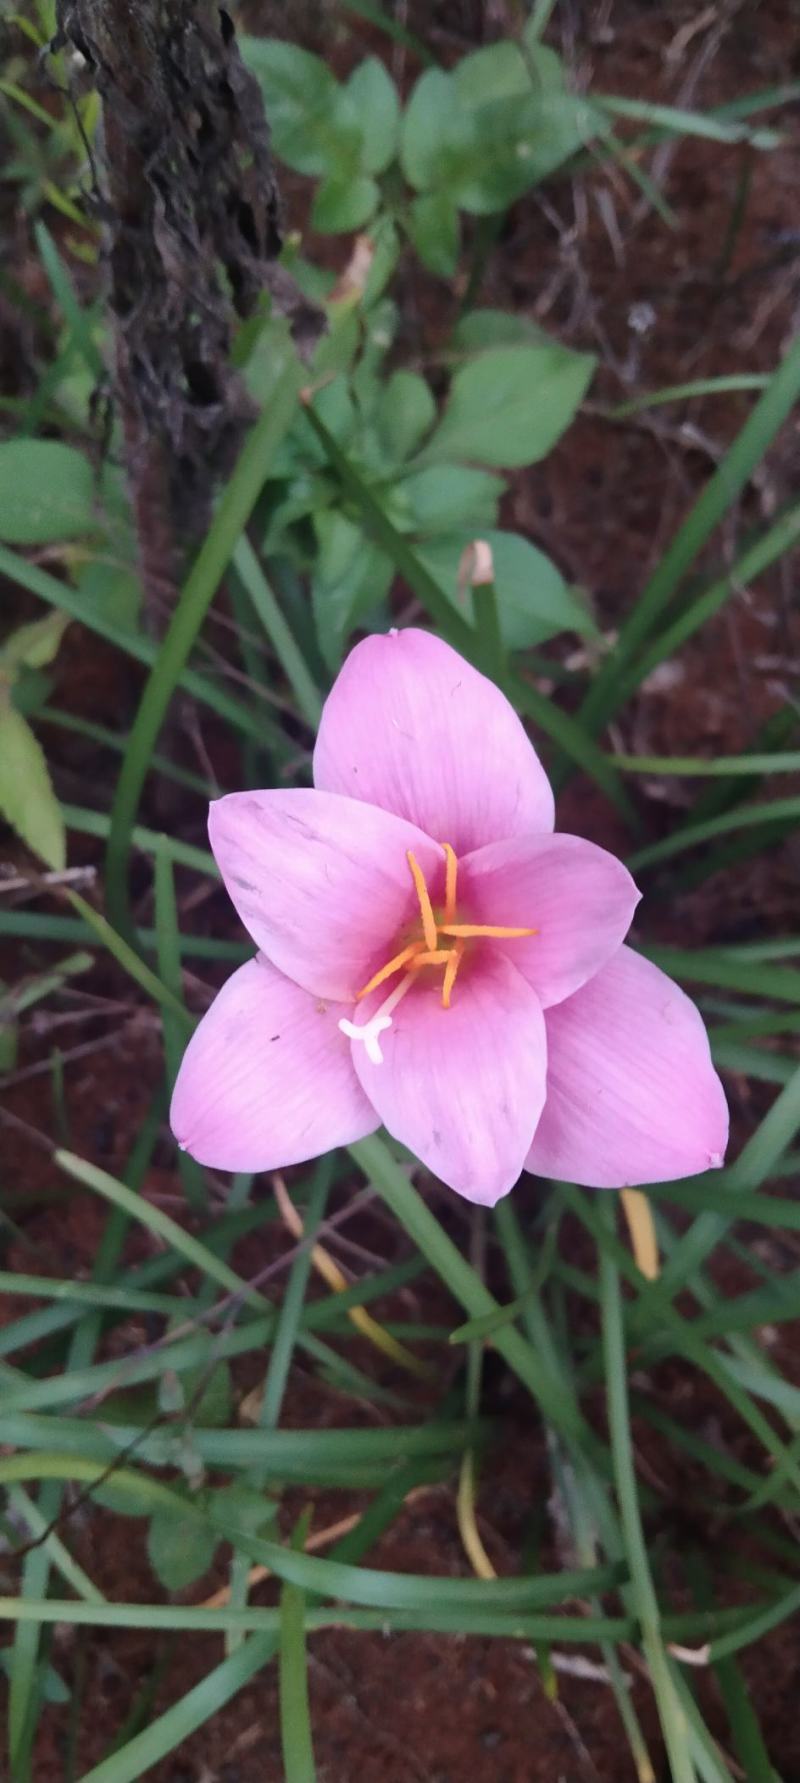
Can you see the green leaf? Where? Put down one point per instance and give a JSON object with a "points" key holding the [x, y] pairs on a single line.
{"points": [[50, 1687], [495, 328], [202, 1395], [179, 1550], [344, 201], [336, 404], [303, 103], [406, 412], [498, 72], [546, 67], [444, 496], [434, 229], [510, 404], [46, 492], [27, 800], [487, 133], [515, 142], [351, 578], [533, 600], [33, 646], [424, 131], [245, 1508], [374, 98], [112, 588]]}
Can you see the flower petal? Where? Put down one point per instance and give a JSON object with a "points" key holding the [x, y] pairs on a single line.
{"points": [[579, 899], [632, 1095], [463, 1087], [322, 882], [413, 727], [267, 1079]]}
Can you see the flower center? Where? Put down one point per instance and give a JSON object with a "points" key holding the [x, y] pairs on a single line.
{"points": [[424, 951]]}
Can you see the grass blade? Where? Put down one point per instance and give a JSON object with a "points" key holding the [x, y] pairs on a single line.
{"points": [[235, 507]]}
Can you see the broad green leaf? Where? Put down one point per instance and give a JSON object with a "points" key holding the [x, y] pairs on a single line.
{"points": [[245, 1508], [113, 589], [373, 95], [179, 1550], [406, 412], [27, 800], [344, 201], [445, 496], [514, 144], [271, 342], [34, 646], [202, 1395], [424, 131], [49, 1685], [303, 103], [46, 492], [546, 68], [335, 403], [533, 600], [490, 131], [435, 231], [352, 577], [214, 1399], [497, 72], [510, 404], [495, 328], [381, 326]]}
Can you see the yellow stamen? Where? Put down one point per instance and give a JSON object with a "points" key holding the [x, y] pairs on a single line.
{"points": [[440, 958], [450, 882], [391, 966], [425, 905], [451, 973], [427, 951], [466, 929]]}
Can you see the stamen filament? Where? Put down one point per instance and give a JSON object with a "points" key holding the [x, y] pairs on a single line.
{"points": [[454, 958], [425, 905], [465, 929], [390, 968], [451, 882]]}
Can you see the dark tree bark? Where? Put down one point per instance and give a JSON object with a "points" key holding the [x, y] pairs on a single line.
{"points": [[189, 199]]}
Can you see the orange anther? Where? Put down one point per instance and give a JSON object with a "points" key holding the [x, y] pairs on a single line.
{"points": [[451, 973], [425, 905], [466, 929], [451, 882]]}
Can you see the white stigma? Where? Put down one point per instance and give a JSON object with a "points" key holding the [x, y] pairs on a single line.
{"points": [[368, 1032]]}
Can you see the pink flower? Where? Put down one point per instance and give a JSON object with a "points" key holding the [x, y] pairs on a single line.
{"points": [[433, 958]]}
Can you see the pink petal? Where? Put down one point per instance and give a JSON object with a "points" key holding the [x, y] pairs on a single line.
{"points": [[411, 726], [632, 1095], [579, 898], [267, 1079], [321, 882], [463, 1087]]}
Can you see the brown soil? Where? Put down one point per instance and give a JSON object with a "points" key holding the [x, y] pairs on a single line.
{"points": [[659, 307]]}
